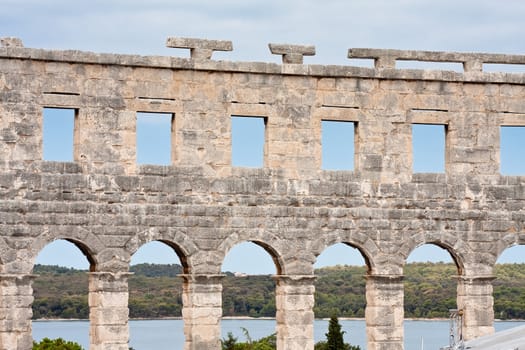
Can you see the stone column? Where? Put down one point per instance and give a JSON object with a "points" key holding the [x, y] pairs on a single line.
{"points": [[477, 303], [108, 310], [384, 312], [202, 311], [294, 300], [16, 298]]}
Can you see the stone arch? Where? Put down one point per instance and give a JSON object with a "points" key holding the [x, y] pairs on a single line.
{"points": [[88, 243], [458, 250], [176, 239], [269, 243], [366, 246], [508, 241]]}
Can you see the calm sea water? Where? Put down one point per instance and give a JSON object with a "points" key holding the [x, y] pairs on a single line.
{"points": [[168, 334]]}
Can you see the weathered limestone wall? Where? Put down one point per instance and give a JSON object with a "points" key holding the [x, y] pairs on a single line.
{"points": [[202, 206]]}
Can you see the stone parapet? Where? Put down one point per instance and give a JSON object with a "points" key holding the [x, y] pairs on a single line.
{"points": [[203, 49], [472, 62]]}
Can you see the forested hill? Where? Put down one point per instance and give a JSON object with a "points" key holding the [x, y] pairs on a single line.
{"points": [[155, 291]]}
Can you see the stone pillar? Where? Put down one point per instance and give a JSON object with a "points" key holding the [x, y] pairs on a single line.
{"points": [[477, 303], [108, 310], [202, 311], [384, 312], [294, 300], [16, 298]]}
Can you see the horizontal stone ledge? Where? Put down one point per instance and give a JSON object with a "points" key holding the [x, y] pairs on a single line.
{"points": [[199, 48], [17, 277], [83, 57], [386, 58], [202, 278], [384, 278], [476, 279]]}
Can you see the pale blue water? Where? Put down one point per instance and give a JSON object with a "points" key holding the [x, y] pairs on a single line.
{"points": [[168, 334]]}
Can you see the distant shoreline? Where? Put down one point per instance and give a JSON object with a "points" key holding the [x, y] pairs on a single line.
{"points": [[260, 318]]}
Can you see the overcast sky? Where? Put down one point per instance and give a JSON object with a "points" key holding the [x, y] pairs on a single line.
{"points": [[333, 26]]}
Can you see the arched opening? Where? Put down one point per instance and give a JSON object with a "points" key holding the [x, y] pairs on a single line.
{"points": [[430, 291], [509, 288], [248, 296], [155, 297], [61, 292], [340, 290]]}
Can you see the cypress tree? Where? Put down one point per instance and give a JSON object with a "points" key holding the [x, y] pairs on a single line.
{"points": [[334, 337]]}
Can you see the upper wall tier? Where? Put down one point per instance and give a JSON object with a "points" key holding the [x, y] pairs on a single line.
{"points": [[106, 91]]}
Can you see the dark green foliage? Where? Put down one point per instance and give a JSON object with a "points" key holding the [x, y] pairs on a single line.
{"points": [[156, 270], [340, 290], [334, 338], [249, 296], [56, 344], [266, 343], [430, 291], [229, 342]]}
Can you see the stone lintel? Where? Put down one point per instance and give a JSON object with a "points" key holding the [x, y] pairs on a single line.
{"points": [[11, 42], [292, 53], [200, 49], [472, 62]]}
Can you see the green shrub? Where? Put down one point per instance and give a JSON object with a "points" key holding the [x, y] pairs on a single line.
{"points": [[56, 344], [334, 338], [266, 343]]}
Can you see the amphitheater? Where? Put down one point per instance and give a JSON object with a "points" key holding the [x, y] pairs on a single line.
{"points": [[109, 205]]}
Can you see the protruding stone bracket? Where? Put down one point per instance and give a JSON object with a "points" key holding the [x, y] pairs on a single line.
{"points": [[292, 53], [200, 49], [11, 42], [472, 62]]}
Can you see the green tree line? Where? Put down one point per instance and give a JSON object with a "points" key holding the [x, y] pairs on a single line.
{"points": [[155, 291]]}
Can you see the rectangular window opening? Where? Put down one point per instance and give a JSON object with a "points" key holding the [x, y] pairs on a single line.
{"points": [[154, 138], [430, 65], [503, 68], [58, 134], [361, 62], [248, 141], [428, 148], [338, 147], [512, 144]]}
